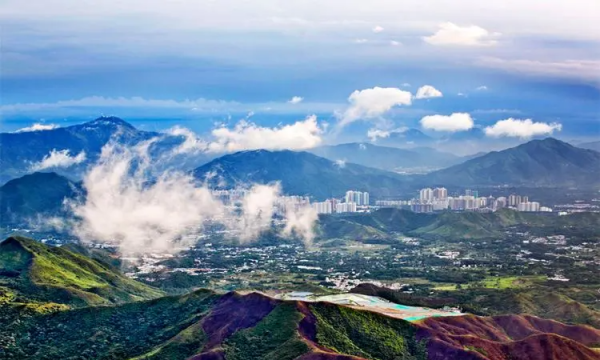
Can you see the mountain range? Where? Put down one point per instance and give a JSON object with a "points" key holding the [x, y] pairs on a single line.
{"points": [[547, 162], [593, 145], [389, 158], [20, 152], [204, 325], [300, 173]]}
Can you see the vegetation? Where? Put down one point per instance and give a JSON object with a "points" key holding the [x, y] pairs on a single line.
{"points": [[366, 334], [274, 338], [37, 272], [112, 332]]}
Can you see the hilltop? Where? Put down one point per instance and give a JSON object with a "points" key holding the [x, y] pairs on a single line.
{"points": [[547, 162], [300, 173], [33, 272], [35, 195]]}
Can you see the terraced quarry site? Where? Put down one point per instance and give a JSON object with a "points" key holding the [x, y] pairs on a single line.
{"points": [[374, 304]]}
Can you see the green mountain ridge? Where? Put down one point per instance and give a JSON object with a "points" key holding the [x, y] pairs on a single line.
{"points": [[548, 162], [32, 271]]}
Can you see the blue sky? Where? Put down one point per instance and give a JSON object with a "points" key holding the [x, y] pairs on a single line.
{"points": [[201, 63]]}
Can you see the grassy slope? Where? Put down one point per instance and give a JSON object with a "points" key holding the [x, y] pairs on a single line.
{"points": [[274, 338], [43, 273], [162, 327], [366, 334]]}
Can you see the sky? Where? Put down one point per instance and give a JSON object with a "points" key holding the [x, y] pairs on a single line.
{"points": [[512, 68]]}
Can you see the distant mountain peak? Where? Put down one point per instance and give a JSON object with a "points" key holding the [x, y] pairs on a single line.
{"points": [[109, 121]]}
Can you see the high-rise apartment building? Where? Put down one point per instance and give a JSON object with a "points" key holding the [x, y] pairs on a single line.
{"points": [[426, 195], [440, 194]]}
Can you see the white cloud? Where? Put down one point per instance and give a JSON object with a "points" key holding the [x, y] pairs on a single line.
{"points": [[405, 84], [481, 88], [521, 128], [245, 135], [38, 127], [301, 223], [373, 103], [59, 159], [361, 41], [375, 134], [296, 100], [191, 142], [452, 123], [124, 209], [452, 34], [378, 29], [428, 91], [340, 163], [395, 43]]}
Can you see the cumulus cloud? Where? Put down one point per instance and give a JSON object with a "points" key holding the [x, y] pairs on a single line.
{"points": [[361, 41], [245, 135], [481, 88], [296, 100], [372, 103], [450, 123], [375, 134], [58, 159], [427, 91], [38, 127], [378, 29], [521, 128], [455, 35], [124, 208]]}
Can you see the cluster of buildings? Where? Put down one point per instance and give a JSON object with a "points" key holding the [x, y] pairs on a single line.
{"points": [[354, 201], [437, 199]]}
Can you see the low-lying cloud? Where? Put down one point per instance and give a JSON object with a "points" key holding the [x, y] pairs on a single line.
{"points": [[59, 159], [38, 127], [449, 123], [521, 128], [374, 134], [126, 208]]}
